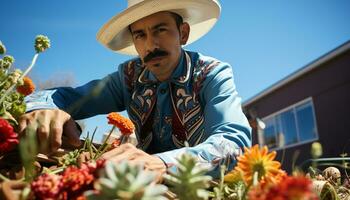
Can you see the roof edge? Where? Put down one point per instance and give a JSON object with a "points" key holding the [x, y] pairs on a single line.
{"points": [[310, 66]]}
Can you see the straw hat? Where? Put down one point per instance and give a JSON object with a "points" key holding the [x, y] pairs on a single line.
{"points": [[200, 14]]}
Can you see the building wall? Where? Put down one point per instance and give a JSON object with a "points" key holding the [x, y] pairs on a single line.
{"points": [[329, 87]]}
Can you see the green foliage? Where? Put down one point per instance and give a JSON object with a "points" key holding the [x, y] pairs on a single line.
{"points": [[235, 190], [28, 147], [126, 182], [11, 102], [190, 182]]}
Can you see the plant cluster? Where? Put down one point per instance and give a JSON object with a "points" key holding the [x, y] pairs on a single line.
{"points": [[80, 174], [14, 86]]}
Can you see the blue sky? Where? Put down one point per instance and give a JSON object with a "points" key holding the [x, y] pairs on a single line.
{"points": [[264, 41]]}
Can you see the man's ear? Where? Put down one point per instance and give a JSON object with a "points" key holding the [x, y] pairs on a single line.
{"points": [[185, 32]]}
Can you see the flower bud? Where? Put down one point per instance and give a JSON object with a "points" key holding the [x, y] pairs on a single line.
{"points": [[2, 48], [316, 150], [15, 96], [9, 59], [5, 64], [13, 78], [41, 43], [1, 64]]}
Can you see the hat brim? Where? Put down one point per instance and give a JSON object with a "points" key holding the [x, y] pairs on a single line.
{"points": [[200, 14]]}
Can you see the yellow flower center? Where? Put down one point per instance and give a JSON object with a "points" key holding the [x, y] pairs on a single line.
{"points": [[259, 167]]}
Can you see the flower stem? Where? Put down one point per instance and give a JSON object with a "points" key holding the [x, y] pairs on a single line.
{"points": [[31, 65], [101, 149], [58, 170], [21, 77]]}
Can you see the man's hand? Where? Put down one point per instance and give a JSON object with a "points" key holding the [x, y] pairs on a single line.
{"points": [[51, 126], [136, 156]]}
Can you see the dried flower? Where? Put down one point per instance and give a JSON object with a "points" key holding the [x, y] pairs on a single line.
{"points": [[8, 138], [27, 88], [2, 48], [47, 186], [125, 125], [41, 43], [261, 162]]}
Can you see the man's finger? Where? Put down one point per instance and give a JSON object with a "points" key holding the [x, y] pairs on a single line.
{"points": [[117, 151], [72, 133], [22, 124], [56, 135]]}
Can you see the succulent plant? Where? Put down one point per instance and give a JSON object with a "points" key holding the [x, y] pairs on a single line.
{"points": [[127, 182], [190, 180]]}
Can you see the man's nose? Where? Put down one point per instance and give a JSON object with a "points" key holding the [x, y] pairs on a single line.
{"points": [[151, 43]]}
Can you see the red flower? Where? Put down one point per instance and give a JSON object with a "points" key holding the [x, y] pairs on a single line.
{"points": [[8, 138], [292, 187], [75, 179], [93, 167], [125, 125], [27, 88], [47, 186]]}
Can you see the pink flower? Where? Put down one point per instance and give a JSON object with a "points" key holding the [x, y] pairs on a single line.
{"points": [[8, 138], [47, 186]]}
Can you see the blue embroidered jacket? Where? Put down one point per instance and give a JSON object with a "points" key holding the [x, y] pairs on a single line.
{"points": [[198, 104]]}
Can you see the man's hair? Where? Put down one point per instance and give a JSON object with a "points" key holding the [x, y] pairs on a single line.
{"points": [[178, 20]]}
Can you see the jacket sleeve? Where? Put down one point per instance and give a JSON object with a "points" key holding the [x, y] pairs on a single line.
{"points": [[226, 126], [96, 97]]}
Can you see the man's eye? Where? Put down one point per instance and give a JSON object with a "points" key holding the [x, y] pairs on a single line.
{"points": [[139, 36], [161, 30]]}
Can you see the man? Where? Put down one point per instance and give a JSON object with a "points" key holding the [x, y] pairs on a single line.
{"points": [[173, 96]]}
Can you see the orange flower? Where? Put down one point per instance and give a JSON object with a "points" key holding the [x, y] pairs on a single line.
{"points": [[27, 88], [125, 125], [261, 162]]}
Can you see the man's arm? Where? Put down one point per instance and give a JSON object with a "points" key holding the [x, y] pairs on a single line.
{"points": [[51, 112], [96, 97], [226, 126]]}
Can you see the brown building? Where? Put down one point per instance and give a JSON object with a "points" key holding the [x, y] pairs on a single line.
{"points": [[312, 104]]}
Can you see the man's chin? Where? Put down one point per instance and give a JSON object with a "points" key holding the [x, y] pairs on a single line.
{"points": [[153, 65]]}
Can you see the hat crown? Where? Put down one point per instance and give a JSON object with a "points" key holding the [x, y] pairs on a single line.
{"points": [[133, 2], [201, 15]]}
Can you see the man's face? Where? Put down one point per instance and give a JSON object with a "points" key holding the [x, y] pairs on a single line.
{"points": [[158, 41]]}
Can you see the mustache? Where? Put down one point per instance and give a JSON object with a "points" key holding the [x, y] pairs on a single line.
{"points": [[154, 54]]}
